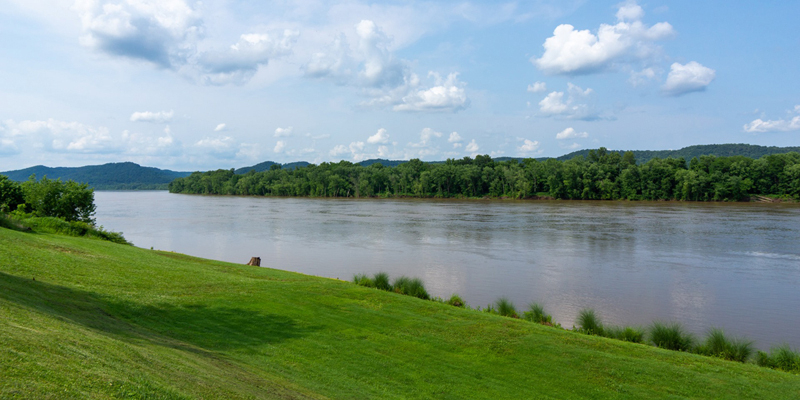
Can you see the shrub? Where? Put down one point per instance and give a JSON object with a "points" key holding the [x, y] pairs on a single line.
{"points": [[381, 281], [411, 287], [671, 336], [589, 322], [627, 333], [536, 314], [718, 345], [456, 301], [506, 308], [782, 357]]}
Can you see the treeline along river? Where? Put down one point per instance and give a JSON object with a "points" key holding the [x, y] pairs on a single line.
{"points": [[729, 265], [602, 175]]}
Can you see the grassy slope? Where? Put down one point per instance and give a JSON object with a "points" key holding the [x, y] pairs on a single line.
{"points": [[104, 320]]}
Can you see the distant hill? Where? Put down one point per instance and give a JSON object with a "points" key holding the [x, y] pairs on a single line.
{"points": [[385, 163], [719, 150], [642, 156], [266, 165], [112, 176]]}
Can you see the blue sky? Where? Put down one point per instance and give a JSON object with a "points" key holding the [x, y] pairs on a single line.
{"points": [[191, 85]]}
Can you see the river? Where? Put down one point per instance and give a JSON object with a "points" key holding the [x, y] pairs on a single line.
{"points": [[730, 265]]}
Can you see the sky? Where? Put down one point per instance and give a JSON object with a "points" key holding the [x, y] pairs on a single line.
{"points": [[190, 85]]}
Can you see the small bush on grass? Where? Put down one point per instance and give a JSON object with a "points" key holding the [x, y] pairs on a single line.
{"points": [[506, 308], [718, 345], [381, 281], [624, 333], [363, 280], [411, 287], [782, 358], [671, 336], [456, 301], [536, 314], [589, 322]]}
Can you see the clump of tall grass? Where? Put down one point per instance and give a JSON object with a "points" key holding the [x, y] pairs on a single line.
{"points": [[624, 333], [411, 287], [781, 357], [456, 301], [536, 314], [363, 280], [718, 345], [589, 322], [506, 308], [381, 281], [671, 336]]}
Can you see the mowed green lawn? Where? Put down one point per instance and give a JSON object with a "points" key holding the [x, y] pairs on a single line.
{"points": [[83, 318]]}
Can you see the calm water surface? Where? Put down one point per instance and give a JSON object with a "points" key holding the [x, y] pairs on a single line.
{"points": [[734, 266]]}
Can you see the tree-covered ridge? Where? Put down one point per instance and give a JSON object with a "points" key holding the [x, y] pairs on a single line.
{"points": [[602, 175], [112, 176], [719, 150]]}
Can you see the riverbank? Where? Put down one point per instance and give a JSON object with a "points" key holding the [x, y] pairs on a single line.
{"points": [[87, 318]]}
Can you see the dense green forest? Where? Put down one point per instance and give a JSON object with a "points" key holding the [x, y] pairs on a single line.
{"points": [[601, 175], [112, 176]]}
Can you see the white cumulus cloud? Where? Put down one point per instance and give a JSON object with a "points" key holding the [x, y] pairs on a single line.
{"points": [[170, 34], [445, 95], [220, 127], [385, 79], [792, 123], [472, 147], [691, 77], [572, 51], [150, 116], [280, 145], [338, 150], [62, 136], [529, 146], [572, 107], [570, 133], [537, 87], [379, 137], [283, 132]]}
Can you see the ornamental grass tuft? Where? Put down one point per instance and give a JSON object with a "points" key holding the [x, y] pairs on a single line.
{"points": [[381, 281], [506, 308], [410, 287], [589, 322], [624, 333], [537, 314], [671, 336], [781, 357], [718, 345]]}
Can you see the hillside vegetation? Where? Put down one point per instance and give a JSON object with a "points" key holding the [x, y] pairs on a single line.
{"points": [[687, 153], [601, 175], [112, 176], [83, 318]]}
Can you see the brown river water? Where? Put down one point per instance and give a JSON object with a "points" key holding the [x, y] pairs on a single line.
{"points": [[730, 265]]}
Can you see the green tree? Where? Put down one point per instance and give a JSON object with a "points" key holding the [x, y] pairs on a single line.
{"points": [[69, 200], [10, 194]]}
